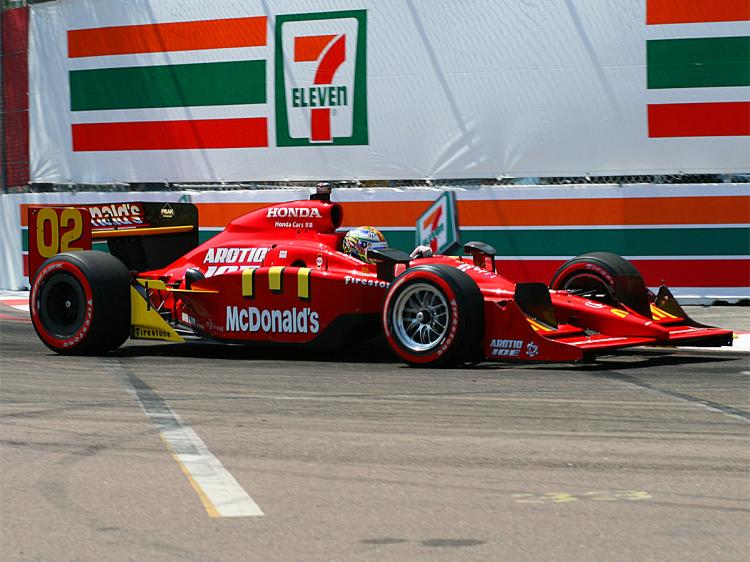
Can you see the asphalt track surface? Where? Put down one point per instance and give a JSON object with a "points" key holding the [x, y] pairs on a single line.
{"points": [[643, 456]]}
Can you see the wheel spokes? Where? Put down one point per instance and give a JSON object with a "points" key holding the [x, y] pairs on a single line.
{"points": [[421, 317]]}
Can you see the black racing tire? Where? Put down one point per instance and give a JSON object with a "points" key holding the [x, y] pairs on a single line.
{"points": [[80, 303], [592, 275], [434, 317]]}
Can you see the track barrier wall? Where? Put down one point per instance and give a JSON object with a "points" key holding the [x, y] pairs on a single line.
{"points": [[286, 91], [693, 237]]}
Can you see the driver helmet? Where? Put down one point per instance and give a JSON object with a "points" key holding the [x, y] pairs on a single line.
{"points": [[358, 241]]}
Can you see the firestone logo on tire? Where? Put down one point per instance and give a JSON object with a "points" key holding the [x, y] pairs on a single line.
{"points": [[321, 79]]}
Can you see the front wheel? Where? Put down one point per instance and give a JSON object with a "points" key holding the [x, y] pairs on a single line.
{"points": [[592, 276], [80, 303], [607, 278], [434, 316]]}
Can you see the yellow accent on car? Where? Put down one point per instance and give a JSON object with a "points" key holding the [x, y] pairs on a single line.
{"points": [[275, 278], [193, 291], [538, 327], [248, 282], [157, 285], [303, 282], [659, 314], [145, 322], [618, 312], [154, 284], [118, 233]]}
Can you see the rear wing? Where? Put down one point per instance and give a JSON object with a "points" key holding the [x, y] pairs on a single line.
{"points": [[143, 235]]}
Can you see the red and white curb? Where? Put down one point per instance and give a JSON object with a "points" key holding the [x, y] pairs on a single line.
{"points": [[15, 299], [741, 342]]}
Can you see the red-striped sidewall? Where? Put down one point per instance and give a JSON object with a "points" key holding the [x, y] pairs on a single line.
{"points": [[581, 267], [454, 318], [43, 277]]}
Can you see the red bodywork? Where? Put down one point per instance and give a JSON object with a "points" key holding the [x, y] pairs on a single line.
{"points": [[276, 275]]}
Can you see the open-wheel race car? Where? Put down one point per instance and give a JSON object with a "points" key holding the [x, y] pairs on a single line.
{"points": [[278, 275]]}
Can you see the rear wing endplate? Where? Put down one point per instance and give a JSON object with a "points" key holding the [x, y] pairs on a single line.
{"points": [[143, 235]]}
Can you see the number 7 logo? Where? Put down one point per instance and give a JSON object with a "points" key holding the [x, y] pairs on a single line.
{"points": [[321, 80], [312, 48]]}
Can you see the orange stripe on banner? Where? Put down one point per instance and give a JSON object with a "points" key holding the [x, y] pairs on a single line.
{"points": [[696, 11], [163, 37], [713, 119], [552, 212], [308, 48], [219, 214], [562, 212], [247, 132]]}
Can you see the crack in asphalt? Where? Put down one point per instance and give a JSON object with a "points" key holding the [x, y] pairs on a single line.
{"points": [[731, 411]]}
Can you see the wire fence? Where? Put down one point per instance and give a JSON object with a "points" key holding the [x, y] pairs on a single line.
{"points": [[453, 183]]}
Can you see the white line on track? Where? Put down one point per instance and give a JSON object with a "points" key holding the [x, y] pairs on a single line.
{"points": [[741, 343], [220, 493], [730, 411]]}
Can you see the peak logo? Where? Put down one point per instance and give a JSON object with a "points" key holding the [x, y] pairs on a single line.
{"points": [[321, 78]]}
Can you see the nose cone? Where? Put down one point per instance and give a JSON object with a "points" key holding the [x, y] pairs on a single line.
{"points": [[605, 319]]}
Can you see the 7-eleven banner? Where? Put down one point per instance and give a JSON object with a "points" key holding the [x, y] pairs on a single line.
{"points": [[189, 91], [698, 52], [330, 49], [130, 86]]}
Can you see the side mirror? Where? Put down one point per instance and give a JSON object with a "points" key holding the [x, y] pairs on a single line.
{"points": [[386, 261], [193, 275], [479, 251]]}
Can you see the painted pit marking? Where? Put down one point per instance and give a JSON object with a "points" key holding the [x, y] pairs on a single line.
{"points": [[219, 492], [565, 497]]}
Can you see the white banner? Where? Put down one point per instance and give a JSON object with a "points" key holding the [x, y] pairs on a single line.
{"points": [[188, 90]]}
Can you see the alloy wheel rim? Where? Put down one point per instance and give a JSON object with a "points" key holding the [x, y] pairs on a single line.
{"points": [[420, 317]]}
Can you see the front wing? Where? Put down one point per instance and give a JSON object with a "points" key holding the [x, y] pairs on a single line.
{"points": [[511, 334]]}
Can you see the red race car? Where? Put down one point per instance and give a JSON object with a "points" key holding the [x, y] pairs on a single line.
{"points": [[278, 275]]}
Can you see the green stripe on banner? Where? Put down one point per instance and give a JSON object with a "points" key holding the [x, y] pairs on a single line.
{"points": [[205, 235], [698, 63], [629, 242], [180, 85]]}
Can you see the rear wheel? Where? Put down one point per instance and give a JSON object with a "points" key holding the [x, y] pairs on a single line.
{"points": [[434, 316], [592, 276], [80, 303]]}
